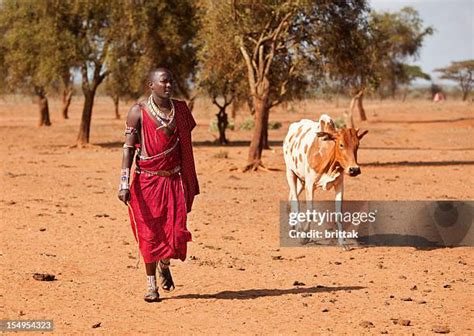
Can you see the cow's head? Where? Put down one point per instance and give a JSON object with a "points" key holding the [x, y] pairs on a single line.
{"points": [[345, 147]]}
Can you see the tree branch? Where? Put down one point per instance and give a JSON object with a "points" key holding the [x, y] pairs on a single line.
{"points": [[275, 36], [215, 102], [284, 86], [250, 69]]}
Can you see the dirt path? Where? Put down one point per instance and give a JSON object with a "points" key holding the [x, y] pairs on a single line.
{"points": [[60, 215]]}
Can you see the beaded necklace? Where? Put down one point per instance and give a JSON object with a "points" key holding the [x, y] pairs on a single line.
{"points": [[160, 115]]}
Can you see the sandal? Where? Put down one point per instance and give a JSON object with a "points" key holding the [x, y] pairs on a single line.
{"points": [[167, 283], [152, 296]]}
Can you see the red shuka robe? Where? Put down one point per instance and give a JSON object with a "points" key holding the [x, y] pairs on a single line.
{"points": [[159, 204]]}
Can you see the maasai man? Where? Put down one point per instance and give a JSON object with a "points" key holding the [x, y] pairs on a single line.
{"points": [[164, 183]]}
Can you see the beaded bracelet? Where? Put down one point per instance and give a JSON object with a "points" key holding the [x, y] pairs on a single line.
{"points": [[124, 179]]}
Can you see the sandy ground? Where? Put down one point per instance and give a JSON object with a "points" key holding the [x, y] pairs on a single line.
{"points": [[60, 215]]}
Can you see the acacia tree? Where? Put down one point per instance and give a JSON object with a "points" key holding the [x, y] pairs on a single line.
{"points": [[221, 67], [264, 39], [282, 50], [462, 73], [29, 62], [398, 38], [37, 50], [161, 34], [118, 85], [409, 74], [64, 48], [351, 66], [152, 34], [93, 23], [67, 80]]}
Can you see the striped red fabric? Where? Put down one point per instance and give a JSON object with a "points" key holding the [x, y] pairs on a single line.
{"points": [[186, 123]]}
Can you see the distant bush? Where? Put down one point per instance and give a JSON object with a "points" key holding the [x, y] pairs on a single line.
{"points": [[340, 122], [274, 125], [248, 124], [213, 125]]}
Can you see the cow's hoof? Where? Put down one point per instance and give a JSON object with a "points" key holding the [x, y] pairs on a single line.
{"points": [[304, 241], [346, 247]]}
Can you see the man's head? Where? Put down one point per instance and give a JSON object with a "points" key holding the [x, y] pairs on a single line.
{"points": [[160, 82]]}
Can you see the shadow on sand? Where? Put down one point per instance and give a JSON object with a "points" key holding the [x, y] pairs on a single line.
{"points": [[398, 240], [249, 294], [419, 121], [207, 143], [417, 163]]}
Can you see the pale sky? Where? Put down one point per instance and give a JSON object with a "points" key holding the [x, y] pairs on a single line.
{"points": [[453, 39]]}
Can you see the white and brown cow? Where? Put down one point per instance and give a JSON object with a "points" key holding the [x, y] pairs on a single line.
{"points": [[318, 155]]}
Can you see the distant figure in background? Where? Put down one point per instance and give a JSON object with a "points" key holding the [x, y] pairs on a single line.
{"points": [[165, 181], [439, 96]]}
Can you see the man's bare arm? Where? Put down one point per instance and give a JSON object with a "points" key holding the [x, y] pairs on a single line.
{"points": [[131, 139]]}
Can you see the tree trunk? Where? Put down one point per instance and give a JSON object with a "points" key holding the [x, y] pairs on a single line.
{"points": [[404, 95], [85, 127], [222, 122], [67, 97], [464, 95], [265, 144], [251, 105], [256, 145], [43, 110], [116, 100]]}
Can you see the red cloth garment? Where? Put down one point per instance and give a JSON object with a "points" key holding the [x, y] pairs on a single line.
{"points": [[158, 204], [186, 124]]}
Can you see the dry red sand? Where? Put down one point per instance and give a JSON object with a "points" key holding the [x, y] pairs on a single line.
{"points": [[61, 215]]}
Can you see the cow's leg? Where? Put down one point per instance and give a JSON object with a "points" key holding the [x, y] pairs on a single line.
{"points": [[293, 196], [305, 226], [339, 188], [299, 187]]}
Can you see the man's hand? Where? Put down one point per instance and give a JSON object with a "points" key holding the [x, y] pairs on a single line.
{"points": [[124, 196]]}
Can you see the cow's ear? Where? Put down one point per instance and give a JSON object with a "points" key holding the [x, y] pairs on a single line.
{"points": [[325, 136], [362, 134]]}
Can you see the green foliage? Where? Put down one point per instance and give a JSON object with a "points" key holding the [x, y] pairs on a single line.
{"points": [[377, 46], [33, 57], [248, 124], [396, 37], [412, 72], [213, 125], [274, 125], [283, 43], [148, 35], [221, 68], [340, 123]]}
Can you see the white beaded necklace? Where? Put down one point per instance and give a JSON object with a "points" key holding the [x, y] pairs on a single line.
{"points": [[158, 114]]}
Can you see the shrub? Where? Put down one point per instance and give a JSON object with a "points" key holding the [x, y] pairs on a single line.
{"points": [[274, 125], [248, 124], [213, 125], [340, 122]]}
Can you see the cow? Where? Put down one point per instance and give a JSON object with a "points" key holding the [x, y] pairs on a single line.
{"points": [[318, 155]]}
